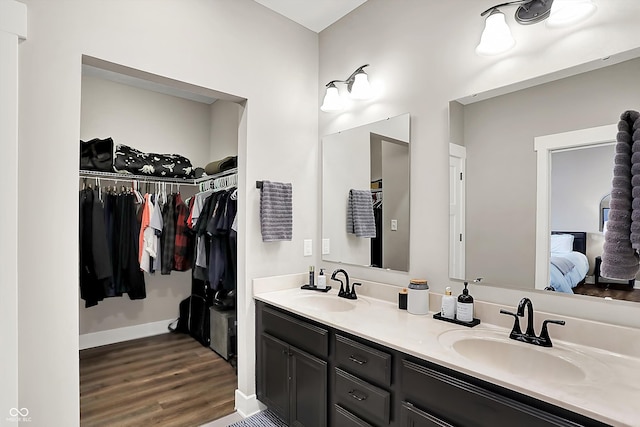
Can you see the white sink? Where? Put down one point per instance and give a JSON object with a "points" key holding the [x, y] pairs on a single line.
{"points": [[324, 302], [494, 350]]}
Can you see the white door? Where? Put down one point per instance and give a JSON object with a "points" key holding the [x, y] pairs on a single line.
{"points": [[457, 156]]}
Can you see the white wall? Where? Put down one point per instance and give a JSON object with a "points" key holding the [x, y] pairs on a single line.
{"points": [[234, 47], [13, 28], [579, 181], [225, 118], [422, 56]]}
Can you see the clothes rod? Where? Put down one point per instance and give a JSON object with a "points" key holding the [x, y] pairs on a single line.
{"points": [[113, 176]]}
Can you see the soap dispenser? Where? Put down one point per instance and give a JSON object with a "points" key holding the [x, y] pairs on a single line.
{"points": [[464, 307], [322, 280], [448, 310]]}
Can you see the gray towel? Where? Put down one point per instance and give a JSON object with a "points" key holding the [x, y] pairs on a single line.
{"points": [[276, 211], [360, 219], [620, 259]]}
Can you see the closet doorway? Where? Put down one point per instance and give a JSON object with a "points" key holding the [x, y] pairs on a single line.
{"points": [[133, 369]]}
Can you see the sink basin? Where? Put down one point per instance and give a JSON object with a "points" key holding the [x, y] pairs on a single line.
{"points": [[326, 303], [493, 350]]}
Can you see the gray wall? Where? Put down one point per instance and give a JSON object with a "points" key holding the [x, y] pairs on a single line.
{"points": [[501, 162], [395, 181]]}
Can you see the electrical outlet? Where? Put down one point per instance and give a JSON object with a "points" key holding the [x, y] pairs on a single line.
{"points": [[394, 225], [308, 247], [325, 247]]}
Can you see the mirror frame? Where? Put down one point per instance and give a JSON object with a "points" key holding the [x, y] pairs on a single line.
{"points": [[544, 146]]}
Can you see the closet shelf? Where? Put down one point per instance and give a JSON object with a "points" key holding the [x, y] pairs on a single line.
{"points": [[147, 178]]}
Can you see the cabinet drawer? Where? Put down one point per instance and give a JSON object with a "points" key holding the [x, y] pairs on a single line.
{"points": [[344, 418], [366, 400], [300, 334], [461, 403], [411, 416], [363, 360]]}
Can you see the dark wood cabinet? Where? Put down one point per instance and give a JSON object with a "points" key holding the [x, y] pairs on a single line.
{"points": [[291, 381], [411, 416], [308, 405], [373, 385], [274, 381]]}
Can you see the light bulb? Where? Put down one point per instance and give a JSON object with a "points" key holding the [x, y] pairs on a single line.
{"points": [[332, 100], [496, 37], [361, 89]]}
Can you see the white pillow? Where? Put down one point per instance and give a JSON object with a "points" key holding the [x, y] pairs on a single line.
{"points": [[561, 243]]}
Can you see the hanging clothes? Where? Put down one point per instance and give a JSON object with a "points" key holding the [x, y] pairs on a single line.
{"points": [[183, 237], [109, 265], [95, 261], [168, 239]]}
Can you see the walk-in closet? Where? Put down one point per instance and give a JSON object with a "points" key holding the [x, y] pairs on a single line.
{"points": [[157, 249]]}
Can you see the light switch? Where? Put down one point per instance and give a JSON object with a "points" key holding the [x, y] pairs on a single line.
{"points": [[308, 247], [325, 247], [394, 225]]}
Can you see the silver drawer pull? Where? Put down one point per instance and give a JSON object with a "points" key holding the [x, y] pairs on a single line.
{"points": [[353, 394], [356, 360]]}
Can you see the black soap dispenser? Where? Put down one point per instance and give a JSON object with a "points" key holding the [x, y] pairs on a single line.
{"points": [[464, 306]]}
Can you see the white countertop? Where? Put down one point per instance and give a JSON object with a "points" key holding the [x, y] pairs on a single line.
{"points": [[609, 392]]}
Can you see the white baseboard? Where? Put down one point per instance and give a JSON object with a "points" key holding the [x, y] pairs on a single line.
{"points": [[113, 336], [248, 405]]}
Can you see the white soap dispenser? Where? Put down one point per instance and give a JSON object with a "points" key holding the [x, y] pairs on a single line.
{"points": [[322, 280], [448, 309]]}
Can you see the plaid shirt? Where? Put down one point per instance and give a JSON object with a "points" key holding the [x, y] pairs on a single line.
{"points": [[183, 244], [168, 238]]}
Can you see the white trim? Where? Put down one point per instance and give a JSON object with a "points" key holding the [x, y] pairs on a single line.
{"points": [[458, 152], [127, 333], [544, 145], [13, 18], [248, 405]]}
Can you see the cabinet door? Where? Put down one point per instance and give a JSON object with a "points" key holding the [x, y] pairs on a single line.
{"points": [[274, 375], [411, 416], [308, 390]]}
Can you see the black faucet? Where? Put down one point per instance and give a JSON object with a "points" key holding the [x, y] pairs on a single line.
{"points": [[343, 293], [526, 303], [529, 336], [353, 295]]}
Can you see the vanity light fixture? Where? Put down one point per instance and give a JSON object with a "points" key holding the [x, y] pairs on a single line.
{"points": [[357, 85], [496, 37]]}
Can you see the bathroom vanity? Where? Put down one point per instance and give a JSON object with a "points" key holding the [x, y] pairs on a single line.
{"points": [[326, 361]]}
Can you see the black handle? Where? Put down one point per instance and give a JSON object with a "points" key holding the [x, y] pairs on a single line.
{"points": [[515, 331], [353, 394], [356, 360], [557, 322]]}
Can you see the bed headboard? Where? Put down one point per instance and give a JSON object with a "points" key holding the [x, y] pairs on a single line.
{"points": [[579, 240]]}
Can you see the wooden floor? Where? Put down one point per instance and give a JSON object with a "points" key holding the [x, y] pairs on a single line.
{"points": [[620, 292], [165, 380]]}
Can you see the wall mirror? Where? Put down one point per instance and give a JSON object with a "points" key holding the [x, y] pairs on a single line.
{"points": [[373, 158], [497, 225]]}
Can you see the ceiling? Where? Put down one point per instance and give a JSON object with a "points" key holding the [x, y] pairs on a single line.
{"points": [[316, 15]]}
